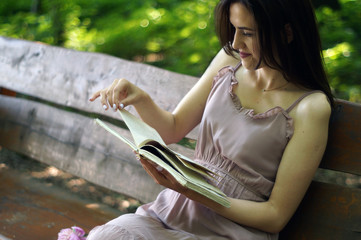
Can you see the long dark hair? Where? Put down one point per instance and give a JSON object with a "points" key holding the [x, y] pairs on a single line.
{"points": [[301, 60]]}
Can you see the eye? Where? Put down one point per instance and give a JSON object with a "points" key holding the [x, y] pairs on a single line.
{"points": [[247, 34]]}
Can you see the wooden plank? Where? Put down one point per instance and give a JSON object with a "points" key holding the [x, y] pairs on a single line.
{"points": [[343, 151], [75, 144], [69, 77], [7, 92], [34, 210], [327, 212]]}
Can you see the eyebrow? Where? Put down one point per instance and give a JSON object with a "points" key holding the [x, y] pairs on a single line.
{"points": [[245, 28], [242, 28]]}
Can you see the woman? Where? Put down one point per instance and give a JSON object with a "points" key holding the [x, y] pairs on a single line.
{"points": [[263, 104]]}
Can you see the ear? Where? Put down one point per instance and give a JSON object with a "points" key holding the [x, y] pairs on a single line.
{"points": [[289, 33]]}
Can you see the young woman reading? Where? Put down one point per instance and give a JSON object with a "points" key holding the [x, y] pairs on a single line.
{"points": [[263, 106]]}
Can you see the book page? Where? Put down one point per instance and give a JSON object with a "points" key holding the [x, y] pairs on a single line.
{"points": [[152, 157], [141, 132], [189, 173], [106, 127], [183, 175], [189, 163]]}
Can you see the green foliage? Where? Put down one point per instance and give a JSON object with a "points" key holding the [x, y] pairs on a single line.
{"points": [[176, 35], [341, 31], [172, 34]]}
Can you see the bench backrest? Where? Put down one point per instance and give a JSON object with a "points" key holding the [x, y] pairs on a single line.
{"points": [[51, 120], [331, 211]]}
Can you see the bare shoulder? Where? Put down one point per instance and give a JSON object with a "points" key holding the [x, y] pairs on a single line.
{"points": [[222, 59], [314, 109]]}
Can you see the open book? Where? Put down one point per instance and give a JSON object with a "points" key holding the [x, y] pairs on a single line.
{"points": [[149, 145]]}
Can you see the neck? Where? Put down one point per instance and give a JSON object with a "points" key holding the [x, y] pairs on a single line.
{"points": [[267, 78]]}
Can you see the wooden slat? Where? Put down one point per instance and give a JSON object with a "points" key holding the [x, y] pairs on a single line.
{"points": [[343, 151], [328, 212], [7, 92], [34, 210], [74, 144], [69, 78]]}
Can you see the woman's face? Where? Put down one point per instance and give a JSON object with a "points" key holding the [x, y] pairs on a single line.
{"points": [[245, 40]]}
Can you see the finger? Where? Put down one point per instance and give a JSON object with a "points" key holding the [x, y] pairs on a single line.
{"points": [[109, 93], [151, 165], [103, 99], [148, 168], [162, 176], [95, 96], [152, 168], [128, 100], [159, 168], [137, 156], [120, 93]]}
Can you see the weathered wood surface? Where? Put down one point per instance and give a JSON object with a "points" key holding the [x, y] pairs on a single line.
{"points": [[343, 151], [68, 140], [35, 210], [69, 78], [75, 144], [328, 212]]}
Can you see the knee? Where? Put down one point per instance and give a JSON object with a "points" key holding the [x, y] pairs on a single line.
{"points": [[109, 232]]}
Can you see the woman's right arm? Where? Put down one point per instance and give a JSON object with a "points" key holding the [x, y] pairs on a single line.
{"points": [[171, 126]]}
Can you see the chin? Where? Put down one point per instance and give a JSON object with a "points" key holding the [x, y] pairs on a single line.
{"points": [[251, 64]]}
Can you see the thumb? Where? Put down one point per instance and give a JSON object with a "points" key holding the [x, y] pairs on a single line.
{"points": [[129, 100]]}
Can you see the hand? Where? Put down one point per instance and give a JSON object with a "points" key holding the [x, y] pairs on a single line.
{"points": [[161, 176], [164, 178], [119, 94]]}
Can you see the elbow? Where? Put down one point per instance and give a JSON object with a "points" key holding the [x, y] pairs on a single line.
{"points": [[171, 138], [278, 225], [277, 222], [175, 133], [275, 227], [169, 141]]}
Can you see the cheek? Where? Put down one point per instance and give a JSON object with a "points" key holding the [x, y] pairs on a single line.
{"points": [[255, 49]]}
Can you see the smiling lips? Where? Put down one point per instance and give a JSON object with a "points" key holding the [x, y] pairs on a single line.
{"points": [[244, 55]]}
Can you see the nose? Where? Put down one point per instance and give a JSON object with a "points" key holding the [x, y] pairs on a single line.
{"points": [[238, 42]]}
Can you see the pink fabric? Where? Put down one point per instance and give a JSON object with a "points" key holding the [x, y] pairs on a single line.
{"points": [[245, 150]]}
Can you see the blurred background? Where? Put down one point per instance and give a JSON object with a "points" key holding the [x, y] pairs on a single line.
{"points": [[177, 35]]}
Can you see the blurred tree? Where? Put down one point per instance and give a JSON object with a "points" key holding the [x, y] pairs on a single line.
{"points": [[173, 34], [341, 31], [334, 4]]}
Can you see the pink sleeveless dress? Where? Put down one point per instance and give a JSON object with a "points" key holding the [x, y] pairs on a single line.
{"points": [[245, 150]]}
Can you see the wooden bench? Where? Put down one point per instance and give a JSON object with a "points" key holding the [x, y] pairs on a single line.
{"points": [[51, 120]]}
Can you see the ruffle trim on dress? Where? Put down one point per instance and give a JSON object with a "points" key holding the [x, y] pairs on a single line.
{"points": [[269, 113], [221, 73], [250, 112]]}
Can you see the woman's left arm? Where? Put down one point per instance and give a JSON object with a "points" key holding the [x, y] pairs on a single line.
{"points": [[299, 163]]}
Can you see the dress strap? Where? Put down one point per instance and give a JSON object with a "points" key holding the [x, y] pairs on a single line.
{"points": [[289, 109], [237, 66]]}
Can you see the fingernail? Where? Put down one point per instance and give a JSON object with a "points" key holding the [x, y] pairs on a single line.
{"points": [[114, 107], [121, 106], [105, 107], [159, 168]]}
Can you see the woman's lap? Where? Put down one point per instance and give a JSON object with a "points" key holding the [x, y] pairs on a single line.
{"points": [[134, 226]]}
